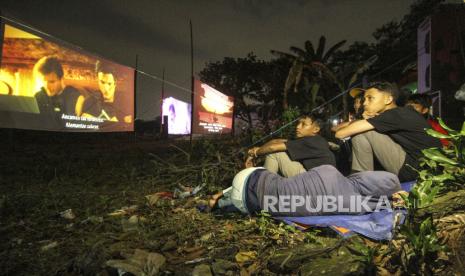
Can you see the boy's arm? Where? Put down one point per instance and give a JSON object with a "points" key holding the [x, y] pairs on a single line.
{"points": [[353, 128], [275, 141], [340, 126], [276, 145]]}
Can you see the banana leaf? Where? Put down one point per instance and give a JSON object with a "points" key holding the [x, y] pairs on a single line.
{"points": [[444, 126], [436, 134], [436, 155]]}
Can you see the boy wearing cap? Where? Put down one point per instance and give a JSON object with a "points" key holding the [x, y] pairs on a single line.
{"points": [[421, 103], [395, 136], [291, 157], [357, 95]]}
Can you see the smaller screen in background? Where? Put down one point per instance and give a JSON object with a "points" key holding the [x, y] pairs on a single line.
{"points": [[47, 86], [213, 110], [179, 116]]}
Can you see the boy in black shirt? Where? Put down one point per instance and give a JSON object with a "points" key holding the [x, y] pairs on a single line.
{"points": [[291, 157], [394, 135]]}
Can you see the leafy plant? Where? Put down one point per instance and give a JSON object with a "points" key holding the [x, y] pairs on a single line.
{"points": [[422, 247], [364, 254], [443, 169], [282, 233], [264, 221], [447, 166]]}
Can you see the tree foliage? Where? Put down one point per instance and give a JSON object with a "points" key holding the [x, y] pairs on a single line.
{"points": [[255, 84], [309, 71], [395, 44]]}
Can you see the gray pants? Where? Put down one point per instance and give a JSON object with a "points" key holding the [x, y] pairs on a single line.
{"points": [[279, 162], [324, 182], [370, 144]]}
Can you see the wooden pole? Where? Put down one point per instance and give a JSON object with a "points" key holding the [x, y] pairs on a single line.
{"points": [[192, 82], [162, 121], [135, 97]]}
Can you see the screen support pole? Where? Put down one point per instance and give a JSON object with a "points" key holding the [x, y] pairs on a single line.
{"points": [[192, 82], [162, 121], [135, 98]]}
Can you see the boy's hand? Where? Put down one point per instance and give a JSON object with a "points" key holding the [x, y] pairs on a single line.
{"points": [[253, 152], [249, 162], [397, 199], [368, 115]]}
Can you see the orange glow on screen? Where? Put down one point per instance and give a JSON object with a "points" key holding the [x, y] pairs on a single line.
{"points": [[12, 32], [215, 102]]}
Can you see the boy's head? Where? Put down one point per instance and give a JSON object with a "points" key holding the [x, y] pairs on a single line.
{"points": [[308, 125], [358, 103], [380, 96], [420, 102]]}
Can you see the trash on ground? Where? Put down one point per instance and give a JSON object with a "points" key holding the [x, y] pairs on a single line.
{"points": [[126, 210], [68, 214], [140, 263]]}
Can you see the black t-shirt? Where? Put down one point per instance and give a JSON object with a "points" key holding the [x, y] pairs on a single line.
{"points": [[65, 103], [52, 108], [311, 151], [406, 127], [95, 105]]}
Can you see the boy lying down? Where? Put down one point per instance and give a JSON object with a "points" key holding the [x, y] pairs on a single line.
{"points": [[322, 190]]}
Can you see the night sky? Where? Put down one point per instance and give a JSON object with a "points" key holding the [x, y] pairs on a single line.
{"points": [[158, 31]]}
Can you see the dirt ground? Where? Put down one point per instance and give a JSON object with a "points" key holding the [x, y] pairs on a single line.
{"points": [[106, 205]]}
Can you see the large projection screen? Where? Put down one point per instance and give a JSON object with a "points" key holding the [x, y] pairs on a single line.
{"points": [[212, 110], [179, 116], [45, 85]]}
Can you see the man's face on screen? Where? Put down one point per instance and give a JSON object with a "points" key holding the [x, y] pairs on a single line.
{"points": [[53, 84], [107, 86]]}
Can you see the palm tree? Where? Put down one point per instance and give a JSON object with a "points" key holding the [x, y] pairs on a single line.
{"points": [[308, 61]]}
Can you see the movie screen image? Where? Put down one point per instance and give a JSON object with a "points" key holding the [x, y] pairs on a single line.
{"points": [[47, 86], [179, 116], [213, 110]]}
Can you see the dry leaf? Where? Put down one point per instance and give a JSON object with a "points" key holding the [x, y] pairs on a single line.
{"points": [[68, 214], [124, 211], [49, 246], [245, 256], [152, 199], [140, 263]]}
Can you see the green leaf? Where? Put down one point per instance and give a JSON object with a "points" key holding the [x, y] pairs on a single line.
{"points": [[425, 226], [430, 196], [423, 174], [444, 126], [449, 151], [436, 134], [443, 177], [462, 132], [436, 155]]}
